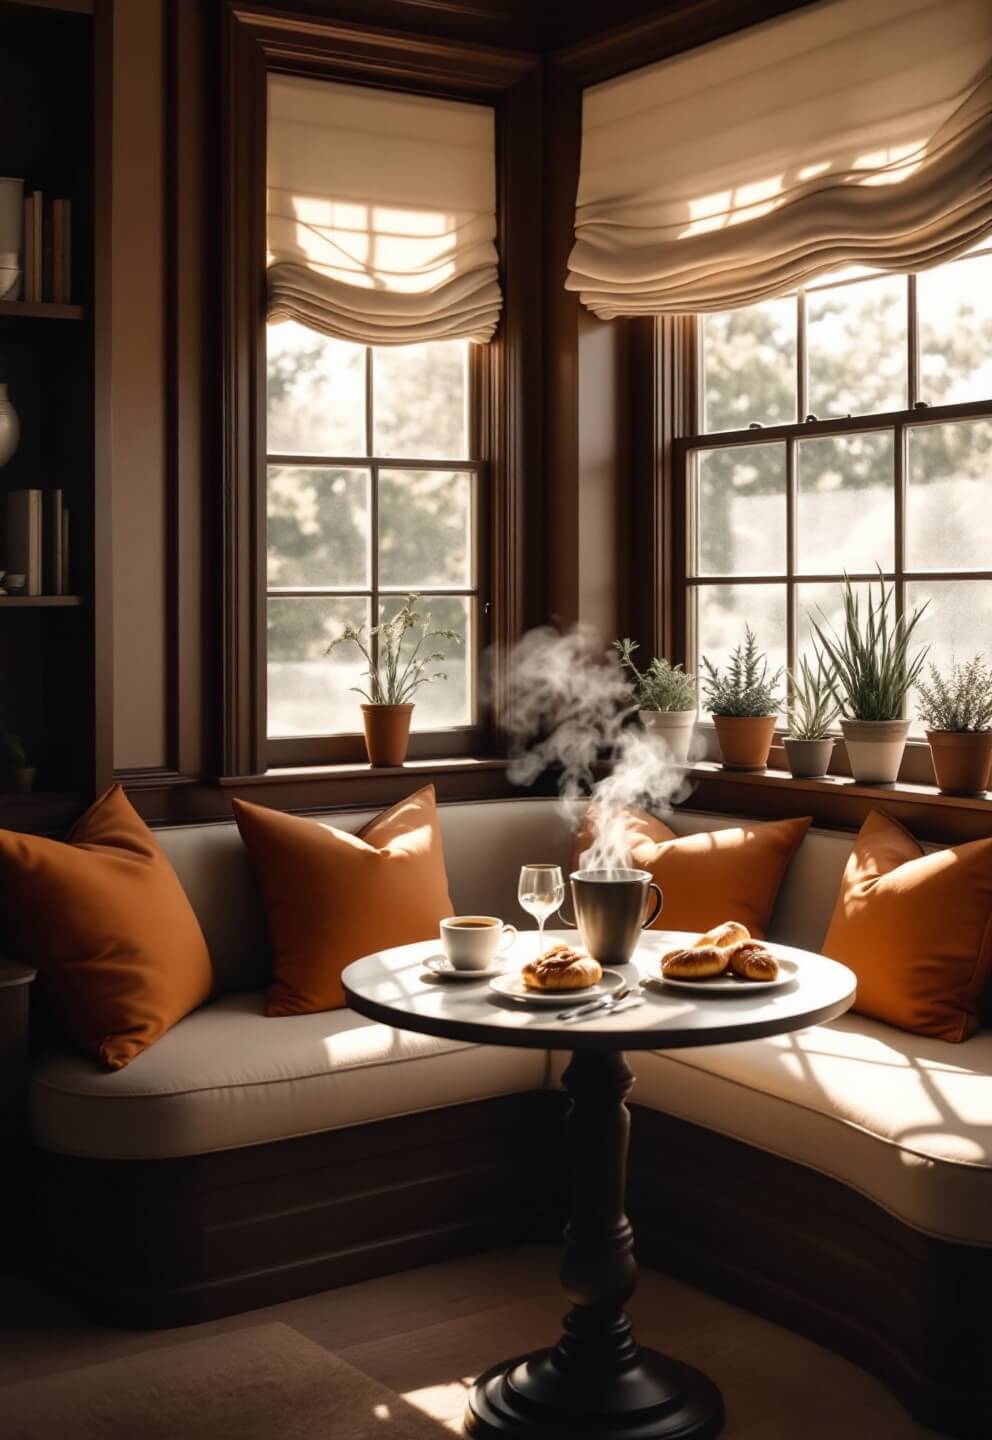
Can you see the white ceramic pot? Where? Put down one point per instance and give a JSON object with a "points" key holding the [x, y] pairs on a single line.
{"points": [[808, 759], [10, 427], [875, 749], [675, 727]]}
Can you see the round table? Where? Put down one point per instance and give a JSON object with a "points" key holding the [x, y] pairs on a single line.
{"points": [[596, 1383]]}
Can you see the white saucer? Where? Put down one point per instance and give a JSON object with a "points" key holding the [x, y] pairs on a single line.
{"points": [[514, 988], [729, 984], [442, 967]]}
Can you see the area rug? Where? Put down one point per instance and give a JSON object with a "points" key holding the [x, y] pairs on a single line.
{"points": [[263, 1383]]}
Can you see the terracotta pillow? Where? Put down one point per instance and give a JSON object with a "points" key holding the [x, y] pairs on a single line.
{"points": [[717, 875], [331, 897], [916, 929], [104, 918]]}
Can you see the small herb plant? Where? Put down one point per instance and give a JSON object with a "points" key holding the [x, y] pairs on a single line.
{"points": [[812, 707], [745, 688], [874, 668], [660, 685], [397, 667], [961, 701], [13, 750]]}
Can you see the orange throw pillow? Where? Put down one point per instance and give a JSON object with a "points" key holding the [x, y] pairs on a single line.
{"points": [[331, 897], [916, 929], [714, 876], [108, 925]]}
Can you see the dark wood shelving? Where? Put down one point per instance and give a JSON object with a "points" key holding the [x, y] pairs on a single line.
{"points": [[42, 812], [40, 602], [40, 310]]}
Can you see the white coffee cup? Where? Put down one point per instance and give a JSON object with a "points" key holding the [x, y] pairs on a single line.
{"points": [[472, 942]]}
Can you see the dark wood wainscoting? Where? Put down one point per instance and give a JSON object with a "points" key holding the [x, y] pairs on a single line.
{"points": [[177, 1241], [173, 1242]]}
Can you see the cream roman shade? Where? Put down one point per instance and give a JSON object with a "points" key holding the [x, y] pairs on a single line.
{"points": [[381, 213], [851, 132]]}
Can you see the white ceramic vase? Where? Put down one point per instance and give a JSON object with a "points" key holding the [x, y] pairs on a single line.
{"points": [[10, 428], [875, 749], [674, 727]]}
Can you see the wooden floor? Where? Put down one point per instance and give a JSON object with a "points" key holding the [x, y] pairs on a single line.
{"points": [[425, 1333]]}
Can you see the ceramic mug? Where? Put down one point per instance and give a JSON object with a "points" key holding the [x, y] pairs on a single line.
{"points": [[609, 911], [472, 942]]}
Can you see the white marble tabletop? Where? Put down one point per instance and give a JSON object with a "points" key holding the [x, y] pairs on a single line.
{"points": [[392, 986]]}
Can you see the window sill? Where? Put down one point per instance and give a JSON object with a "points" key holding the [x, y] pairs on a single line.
{"points": [[839, 802], [308, 774]]}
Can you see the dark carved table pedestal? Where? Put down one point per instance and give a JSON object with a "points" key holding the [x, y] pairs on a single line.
{"points": [[597, 1382]]}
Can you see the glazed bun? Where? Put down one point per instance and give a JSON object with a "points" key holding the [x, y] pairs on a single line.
{"points": [[731, 932], [699, 962], [752, 961], [562, 968]]}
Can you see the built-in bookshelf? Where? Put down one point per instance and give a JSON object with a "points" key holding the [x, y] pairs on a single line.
{"points": [[47, 361]]}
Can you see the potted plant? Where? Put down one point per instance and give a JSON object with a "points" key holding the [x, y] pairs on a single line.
{"points": [[397, 668], [957, 712], [744, 702], [666, 699], [874, 671], [812, 710], [15, 763]]}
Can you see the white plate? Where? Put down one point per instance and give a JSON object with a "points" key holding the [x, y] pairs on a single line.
{"points": [[730, 984], [442, 967], [514, 988]]}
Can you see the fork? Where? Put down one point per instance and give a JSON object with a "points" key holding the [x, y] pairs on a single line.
{"points": [[617, 1002], [574, 1011]]}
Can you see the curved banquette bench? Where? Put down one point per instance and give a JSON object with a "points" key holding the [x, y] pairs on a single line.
{"points": [[838, 1180]]}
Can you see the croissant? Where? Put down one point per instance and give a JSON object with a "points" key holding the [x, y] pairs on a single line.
{"points": [[699, 962], [752, 961], [731, 932], [561, 968]]}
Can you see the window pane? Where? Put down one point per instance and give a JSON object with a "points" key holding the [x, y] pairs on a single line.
{"points": [[956, 626], [316, 393], [846, 509], [318, 527], [749, 366], [420, 400], [954, 304], [309, 691], [425, 528], [856, 344], [949, 498], [448, 702], [724, 610], [741, 508], [824, 603]]}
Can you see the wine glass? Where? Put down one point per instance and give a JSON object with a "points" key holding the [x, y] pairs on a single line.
{"points": [[540, 892]]}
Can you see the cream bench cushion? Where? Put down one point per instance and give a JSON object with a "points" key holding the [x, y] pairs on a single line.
{"points": [[229, 1076]]}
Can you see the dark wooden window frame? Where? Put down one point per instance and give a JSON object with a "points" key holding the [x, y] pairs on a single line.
{"points": [[473, 738], [258, 41]]}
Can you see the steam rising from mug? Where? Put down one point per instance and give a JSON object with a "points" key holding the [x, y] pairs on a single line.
{"points": [[570, 707]]}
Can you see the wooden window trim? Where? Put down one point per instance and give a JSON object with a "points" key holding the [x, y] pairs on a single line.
{"points": [[255, 42]]}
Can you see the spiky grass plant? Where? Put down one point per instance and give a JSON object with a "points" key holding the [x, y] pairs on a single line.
{"points": [[812, 707], [660, 685], [395, 673], [874, 669], [959, 702], [745, 689]]}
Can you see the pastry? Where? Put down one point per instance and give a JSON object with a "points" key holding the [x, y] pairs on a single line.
{"points": [[752, 961], [699, 962], [562, 968], [731, 932]]}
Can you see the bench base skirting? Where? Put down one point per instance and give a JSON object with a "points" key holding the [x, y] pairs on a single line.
{"points": [[167, 1242]]}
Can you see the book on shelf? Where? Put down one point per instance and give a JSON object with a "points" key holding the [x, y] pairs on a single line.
{"points": [[22, 549], [47, 250], [54, 577], [66, 582]]}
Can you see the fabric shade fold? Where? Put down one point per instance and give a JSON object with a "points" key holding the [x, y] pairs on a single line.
{"points": [[849, 133], [381, 213]]}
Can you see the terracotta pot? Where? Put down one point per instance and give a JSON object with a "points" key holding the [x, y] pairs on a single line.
{"points": [[808, 759], [962, 760], [875, 749], [674, 727], [745, 740], [387, 733]]}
